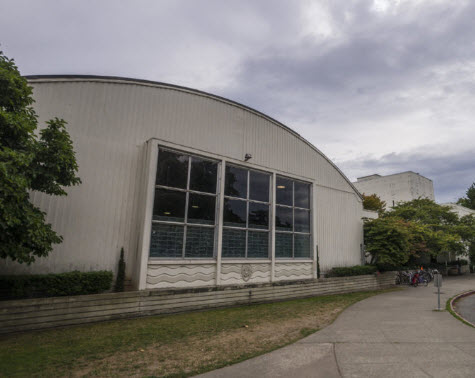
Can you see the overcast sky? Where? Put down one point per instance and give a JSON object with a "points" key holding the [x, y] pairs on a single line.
{"points": [[378, 86]]}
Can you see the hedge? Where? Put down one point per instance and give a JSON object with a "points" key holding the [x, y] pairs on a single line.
{"points": [[54, 285], [357, 270]]}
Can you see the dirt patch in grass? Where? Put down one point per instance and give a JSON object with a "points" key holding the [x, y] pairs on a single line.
{"points": [[176, 345]]}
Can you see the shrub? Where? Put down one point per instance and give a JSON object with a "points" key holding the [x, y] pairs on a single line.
{"points": [[357, 270], [54, 285], [119, 283]]}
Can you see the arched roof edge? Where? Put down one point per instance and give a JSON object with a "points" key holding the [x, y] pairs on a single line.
{"points": [[126, 80]]}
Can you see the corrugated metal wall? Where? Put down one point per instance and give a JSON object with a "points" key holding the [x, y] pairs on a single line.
{"points": [[110, 122]]}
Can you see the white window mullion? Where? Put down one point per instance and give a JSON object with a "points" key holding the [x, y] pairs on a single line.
{"points": [[273, 200], [220, 209], [247, 212], [186, 206]]}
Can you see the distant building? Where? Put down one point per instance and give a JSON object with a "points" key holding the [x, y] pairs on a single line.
{"points": [[399, 187], [460, 210]]}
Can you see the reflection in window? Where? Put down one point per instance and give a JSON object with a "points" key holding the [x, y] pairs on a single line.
{"points": [[246, 215], [201, 208], [302, 220], [302, 195], [292, 219], [203, 175], [184, 209], [236, 182], [259, 186], [284, 191], [172, 170], [169, 205], [258, 215], [234, 213], [283, 218]]}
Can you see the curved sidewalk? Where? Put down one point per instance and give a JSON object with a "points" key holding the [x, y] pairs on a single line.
{"points": [[395, 334]]}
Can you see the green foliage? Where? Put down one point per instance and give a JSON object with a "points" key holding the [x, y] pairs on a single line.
{"points": [[373, 202], [469, 199], [119, 283], [417, 228], [44, 163], [439, 228], [387, 240], [357, 270], [54, 285]]}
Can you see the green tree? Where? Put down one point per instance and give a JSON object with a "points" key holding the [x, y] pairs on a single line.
{"points": [[438, 227], [467, 230], [469, 199], [417, 228], [387, 241], [373, 202], [43, 162]]}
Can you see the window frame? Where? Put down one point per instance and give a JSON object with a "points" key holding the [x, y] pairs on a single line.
{"points": [[248, 229], [187, 192], [293, 232]]}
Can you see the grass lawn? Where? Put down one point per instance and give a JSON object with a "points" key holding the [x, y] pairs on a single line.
{"points": [[172, 345]]}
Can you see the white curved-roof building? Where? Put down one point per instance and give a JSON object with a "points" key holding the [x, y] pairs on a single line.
{"points": [[198, 189]]}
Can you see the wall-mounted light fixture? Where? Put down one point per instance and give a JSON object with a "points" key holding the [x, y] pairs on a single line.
{"points": [[247, 157]]}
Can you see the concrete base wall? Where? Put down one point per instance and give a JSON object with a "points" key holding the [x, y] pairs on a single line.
{"points": [[32, 314]]}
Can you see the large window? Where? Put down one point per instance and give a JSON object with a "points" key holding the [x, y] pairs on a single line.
{"points": [[186, 204], [246, 213], [184, 210], [292, 219]]}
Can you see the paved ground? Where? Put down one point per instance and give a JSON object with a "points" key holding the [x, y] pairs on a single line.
{"points": [[466, 307], [395, 334]]}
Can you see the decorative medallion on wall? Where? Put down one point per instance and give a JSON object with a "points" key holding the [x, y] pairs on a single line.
{"points": [[246, 272]]}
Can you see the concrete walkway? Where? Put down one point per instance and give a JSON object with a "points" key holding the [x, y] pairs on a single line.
{"points": [[394, 334]]}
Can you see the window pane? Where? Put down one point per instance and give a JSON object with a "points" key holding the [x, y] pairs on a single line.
{"points": [[234, 213], [199, 242], [284, 191], [259, 186], [302, 195], [302, 220], [169, 205], [283, 245], [302, 245], [283, 218], [166, 240], [203, 175], [258, 244], [258, 215], [201, 208], [234, 243], [172, 169], [236, 182]]}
